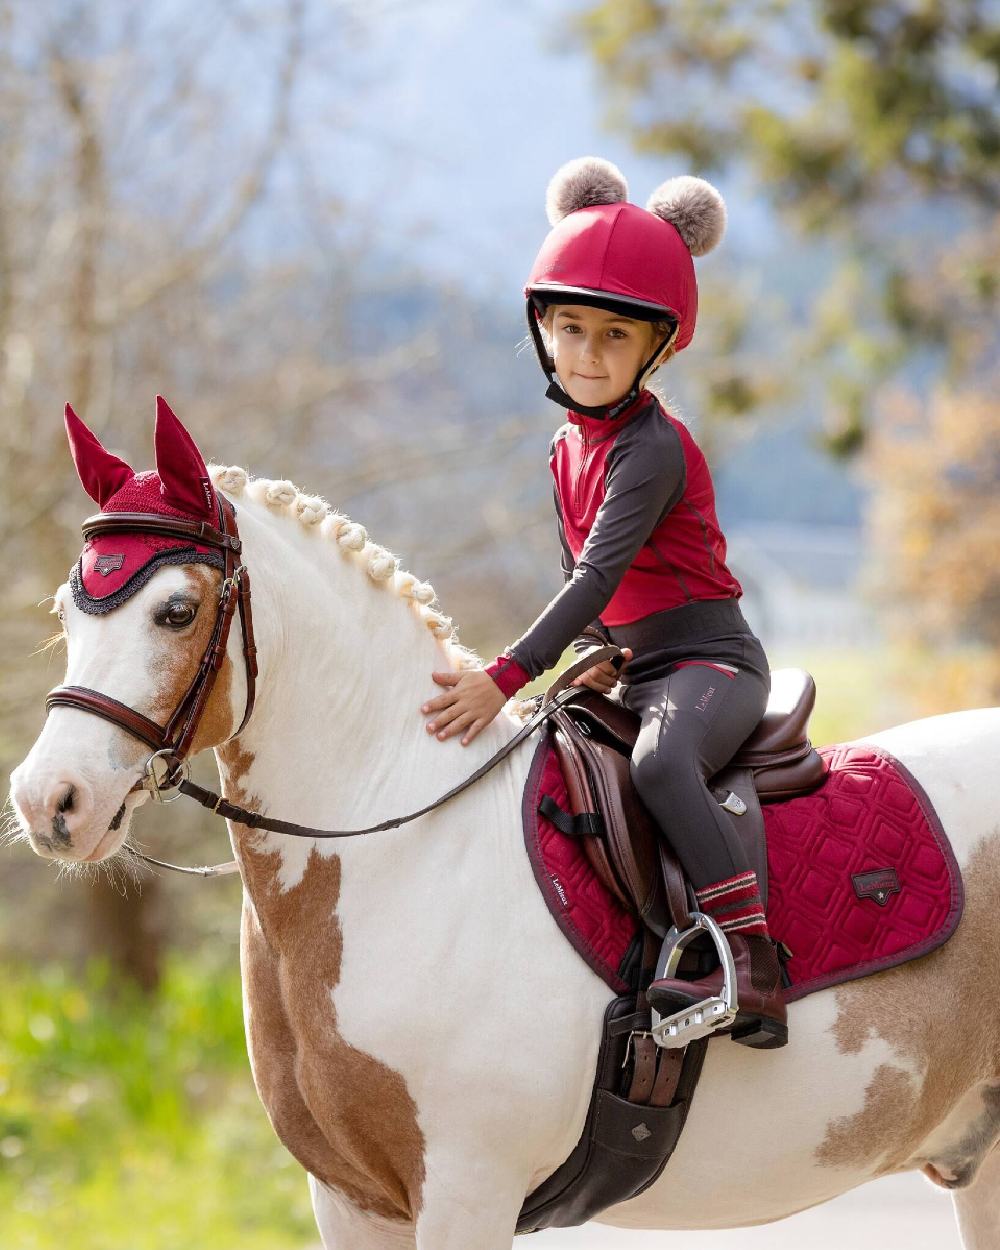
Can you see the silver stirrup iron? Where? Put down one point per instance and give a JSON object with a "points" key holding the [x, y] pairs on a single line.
{"points": [[700, 1019]]}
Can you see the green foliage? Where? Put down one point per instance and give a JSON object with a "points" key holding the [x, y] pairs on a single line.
{"points": [[854, 91], [129, 1123], [870, 123]]}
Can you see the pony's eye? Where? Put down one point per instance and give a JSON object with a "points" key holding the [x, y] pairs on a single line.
{"points": [[177, 615]]}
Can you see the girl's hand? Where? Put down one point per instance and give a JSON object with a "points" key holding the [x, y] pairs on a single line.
{"points": [[472, 701], [602, 677]]}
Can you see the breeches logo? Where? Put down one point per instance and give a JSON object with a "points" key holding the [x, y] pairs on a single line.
{"points": [[703, 701]]}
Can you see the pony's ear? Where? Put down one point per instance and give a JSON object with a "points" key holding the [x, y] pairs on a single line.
{"points": [[101, 473], [184, 480]]}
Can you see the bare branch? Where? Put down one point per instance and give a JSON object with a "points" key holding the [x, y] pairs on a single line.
{"points": [[202, 257]]}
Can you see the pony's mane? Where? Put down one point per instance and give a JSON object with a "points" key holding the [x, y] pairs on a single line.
{"points": [[352, 539]]}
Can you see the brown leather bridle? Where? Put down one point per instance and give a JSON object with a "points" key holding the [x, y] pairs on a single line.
{"points": [[172, 742]]}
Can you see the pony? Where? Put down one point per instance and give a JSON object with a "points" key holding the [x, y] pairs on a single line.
{"points": [[422, 1037]]}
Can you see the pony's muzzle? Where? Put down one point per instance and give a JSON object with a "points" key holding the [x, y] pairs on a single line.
{"points": [[54, 808]]}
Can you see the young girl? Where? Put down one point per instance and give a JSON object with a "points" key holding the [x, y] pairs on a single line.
{"points": [[611, 296]]}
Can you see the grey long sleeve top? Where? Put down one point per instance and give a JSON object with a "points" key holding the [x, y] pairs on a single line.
{"points": [[644, 478]]}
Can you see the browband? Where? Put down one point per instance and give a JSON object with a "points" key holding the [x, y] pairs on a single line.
{"points": [[169, 527]]}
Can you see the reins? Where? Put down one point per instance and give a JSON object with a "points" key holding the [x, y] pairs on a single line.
{"points": [[172, 742]]}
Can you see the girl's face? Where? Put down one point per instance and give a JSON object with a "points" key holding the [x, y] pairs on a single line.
{"points": [[597, 353]]}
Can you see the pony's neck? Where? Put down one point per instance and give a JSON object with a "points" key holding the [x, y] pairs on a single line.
{"points": [[337, 737]]}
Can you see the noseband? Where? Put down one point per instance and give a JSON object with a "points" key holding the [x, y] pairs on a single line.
{"points": [[166, 768], [171, 742]]}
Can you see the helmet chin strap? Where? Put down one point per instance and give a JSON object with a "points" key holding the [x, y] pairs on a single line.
{"points": [[606, 412]]}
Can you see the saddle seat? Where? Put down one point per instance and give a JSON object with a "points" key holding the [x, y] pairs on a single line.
{"points": [[594, 735], [783, 760]]}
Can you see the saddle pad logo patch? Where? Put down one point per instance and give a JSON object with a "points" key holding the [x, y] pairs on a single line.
{"points": [[106, 565], [878, 884]]}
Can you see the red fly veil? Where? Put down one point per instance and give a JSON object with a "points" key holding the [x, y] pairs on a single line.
{"points": [[113, 567]]}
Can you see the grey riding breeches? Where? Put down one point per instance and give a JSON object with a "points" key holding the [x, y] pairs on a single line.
{"points": [[695, 717]]}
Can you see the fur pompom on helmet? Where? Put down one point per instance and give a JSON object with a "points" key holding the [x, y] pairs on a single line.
{"points": [[694, 207], [582, 183]]}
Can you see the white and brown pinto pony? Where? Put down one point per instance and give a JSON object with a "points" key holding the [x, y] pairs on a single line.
{"points": [[421, 1035]]}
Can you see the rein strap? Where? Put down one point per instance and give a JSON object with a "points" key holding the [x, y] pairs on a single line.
{"points": [[552, 702]]}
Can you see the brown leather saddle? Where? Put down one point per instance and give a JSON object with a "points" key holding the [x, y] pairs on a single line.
{"points": [[594, 735]]}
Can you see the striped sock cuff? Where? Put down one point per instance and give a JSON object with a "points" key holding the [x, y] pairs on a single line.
{"points": [[751, 901], [735, 904], [753, 923], [724, 895], [718, 889], [745, 915]]}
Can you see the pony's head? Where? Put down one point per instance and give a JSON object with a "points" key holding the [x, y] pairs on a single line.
{"points": [[138, 612]]}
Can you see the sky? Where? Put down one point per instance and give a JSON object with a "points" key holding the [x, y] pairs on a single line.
{"points": [[470, 108]]}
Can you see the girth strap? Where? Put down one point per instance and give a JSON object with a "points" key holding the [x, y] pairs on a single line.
{"points": [[655, 1072]]}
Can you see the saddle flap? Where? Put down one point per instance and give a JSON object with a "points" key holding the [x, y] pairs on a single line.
{"points": [[629, 846], [583, 800]]}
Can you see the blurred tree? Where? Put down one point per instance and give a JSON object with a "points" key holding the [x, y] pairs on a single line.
{"points": [[81, 279], [871, 124], [934, 461], [938, 464], [169, 220]]}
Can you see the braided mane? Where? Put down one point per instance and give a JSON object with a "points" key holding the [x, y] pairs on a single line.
{"points": [[352, 539]]}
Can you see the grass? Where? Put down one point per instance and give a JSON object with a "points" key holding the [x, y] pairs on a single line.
{"points": [[133, 1124]]}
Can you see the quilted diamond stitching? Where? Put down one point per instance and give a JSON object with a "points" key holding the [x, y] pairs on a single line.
{"points": [[867, 815], [818, 842]]}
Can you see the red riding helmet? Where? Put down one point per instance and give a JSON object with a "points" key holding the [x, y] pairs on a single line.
{"points": [[635, 261]]}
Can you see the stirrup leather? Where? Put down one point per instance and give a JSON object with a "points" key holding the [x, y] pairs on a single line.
{"points": [[703, 1018]]}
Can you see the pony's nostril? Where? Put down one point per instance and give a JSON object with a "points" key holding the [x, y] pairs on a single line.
{"points": [[60, 834]]}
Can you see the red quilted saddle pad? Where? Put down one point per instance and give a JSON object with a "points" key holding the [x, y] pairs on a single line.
{"points": [[592, 919], [861, 874]]}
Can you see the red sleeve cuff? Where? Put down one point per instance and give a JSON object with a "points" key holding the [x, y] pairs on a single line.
{"points": [[508, 674]]}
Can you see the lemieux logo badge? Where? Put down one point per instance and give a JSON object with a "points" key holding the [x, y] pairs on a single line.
{"points": [[877, 884], [105, 565]]}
